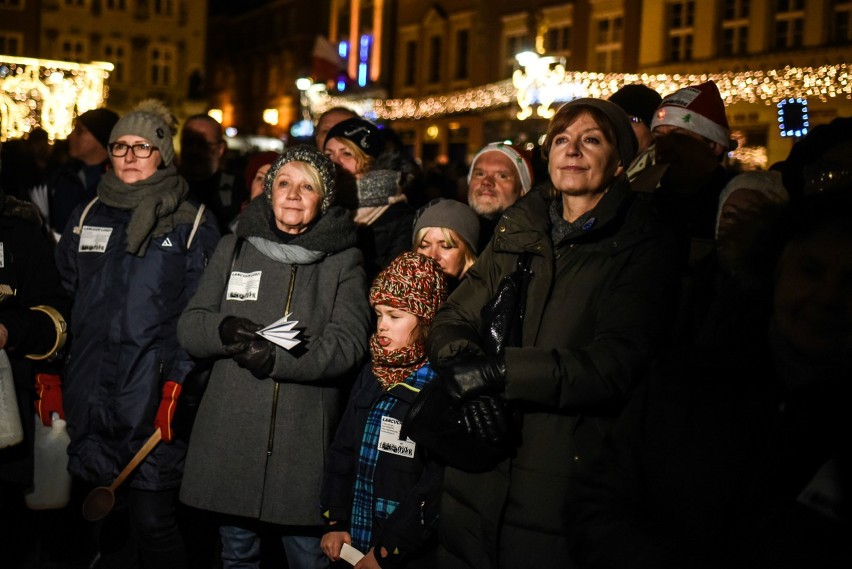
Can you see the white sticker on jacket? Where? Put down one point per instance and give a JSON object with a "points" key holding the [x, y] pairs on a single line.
{"points": [[94, 239], [389, 440], [2, 256], [243, 286]]}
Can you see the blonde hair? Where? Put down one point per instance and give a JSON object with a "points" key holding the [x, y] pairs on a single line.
{"points": [[310, 173], [363, 161], [452, 239]]}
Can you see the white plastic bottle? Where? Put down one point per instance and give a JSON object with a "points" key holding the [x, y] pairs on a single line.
{"points": [[11, 431], [52, 482]]}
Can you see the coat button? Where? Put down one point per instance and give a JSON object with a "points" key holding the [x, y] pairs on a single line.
{"points": [[502, 229]]}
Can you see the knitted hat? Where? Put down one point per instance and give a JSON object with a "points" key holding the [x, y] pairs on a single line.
{"points": [[637, 101], [364, 134], [521, 162], [626, 139], [413, 283], [699, 109], [313, 157], [152, 121], [451, 214], [100, 123]]}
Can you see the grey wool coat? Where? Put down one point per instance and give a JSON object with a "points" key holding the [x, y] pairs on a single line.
{"points": [[259, 446]]}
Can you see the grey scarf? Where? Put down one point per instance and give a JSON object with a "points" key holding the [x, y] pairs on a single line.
{"points": [[157, 202], [283, 253]]}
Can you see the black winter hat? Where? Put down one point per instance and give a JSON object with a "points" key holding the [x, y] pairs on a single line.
{"points": [[363, 133], [638, 101], [100, 123]]}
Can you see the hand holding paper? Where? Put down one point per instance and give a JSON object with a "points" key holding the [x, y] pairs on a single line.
{"points": [[281, 333]]}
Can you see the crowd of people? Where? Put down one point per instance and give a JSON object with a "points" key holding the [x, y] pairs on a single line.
{"points": [[640, 359]]}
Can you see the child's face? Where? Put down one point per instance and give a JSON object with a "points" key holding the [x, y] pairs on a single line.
{"points": [[394, 327]]}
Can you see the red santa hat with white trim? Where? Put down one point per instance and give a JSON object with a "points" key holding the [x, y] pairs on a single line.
{"points": [[699, 109]]}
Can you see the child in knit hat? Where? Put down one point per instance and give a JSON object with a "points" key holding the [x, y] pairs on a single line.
{"points": [[379, 491]]}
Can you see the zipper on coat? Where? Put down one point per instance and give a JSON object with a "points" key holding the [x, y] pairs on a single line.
{"points": [[275, 390]]}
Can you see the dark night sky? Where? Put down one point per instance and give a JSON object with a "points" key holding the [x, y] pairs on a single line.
{"points": [[233, 6]]}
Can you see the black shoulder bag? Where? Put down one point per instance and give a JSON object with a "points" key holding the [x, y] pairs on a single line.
{"points": [[436, 422]]}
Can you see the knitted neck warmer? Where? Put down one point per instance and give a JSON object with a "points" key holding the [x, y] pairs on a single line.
{"points": [[392, 367], [377, 187], [153, 201]]}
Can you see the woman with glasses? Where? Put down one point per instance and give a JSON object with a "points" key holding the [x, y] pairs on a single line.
{"points": [[131, 258]]}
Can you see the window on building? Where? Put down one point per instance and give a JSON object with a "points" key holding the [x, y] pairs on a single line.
{"points": [[608, 43], [435, 48], [842, 32], [410, 73], [161, 66], [681, 29], [735, 23], [12, 4], [557, 40], [117, 54], [515, 43], [116, 5], [461, 69], [11, 43], [75, 3], [789, 23], [73, 49], [163, 7]]}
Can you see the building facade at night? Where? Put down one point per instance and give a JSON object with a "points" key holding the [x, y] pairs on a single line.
{"points": [[466, 48], [157, 47]]}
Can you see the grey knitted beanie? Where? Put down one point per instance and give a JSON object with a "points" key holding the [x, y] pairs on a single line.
{"points": [[152, 121], [451, 214], [313, 157]]}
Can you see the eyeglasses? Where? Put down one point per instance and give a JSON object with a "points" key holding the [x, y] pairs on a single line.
{"points": [[141, 150]]}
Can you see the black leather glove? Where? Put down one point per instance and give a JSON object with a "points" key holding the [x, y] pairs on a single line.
{"points": [[486, 418], [235, 330], [467, 376], [258, 358]]}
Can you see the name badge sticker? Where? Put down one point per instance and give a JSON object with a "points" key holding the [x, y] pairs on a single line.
{"points": [[94, 239], [243, 286], [390, 442]]}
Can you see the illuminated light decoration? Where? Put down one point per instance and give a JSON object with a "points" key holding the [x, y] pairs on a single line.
{"points": [[793, 117], [537, 83], [432, 131], [216, 114], [231, 132], [270, 116], [302, 129], [767, 87], [751, 157], [48, 94], [343, 49], [364, 59]]}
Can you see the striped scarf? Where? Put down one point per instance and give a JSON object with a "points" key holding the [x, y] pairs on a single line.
{"points": [[365, 505]]}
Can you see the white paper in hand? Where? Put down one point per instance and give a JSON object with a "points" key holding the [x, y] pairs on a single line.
{"points": [[350, 554], [281, 333]]}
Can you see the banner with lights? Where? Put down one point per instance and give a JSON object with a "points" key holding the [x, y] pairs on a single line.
{"points": [[48, 94], [768, 87]]}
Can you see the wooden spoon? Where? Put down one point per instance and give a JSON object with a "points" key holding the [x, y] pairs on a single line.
{"points": [[100, 501]]}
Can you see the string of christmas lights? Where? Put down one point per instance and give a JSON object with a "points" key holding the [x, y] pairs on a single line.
{"points": [[47, 93], [768, 87]]}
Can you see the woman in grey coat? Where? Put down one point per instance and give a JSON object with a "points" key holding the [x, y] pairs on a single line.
{"points": [[263, 428]]}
